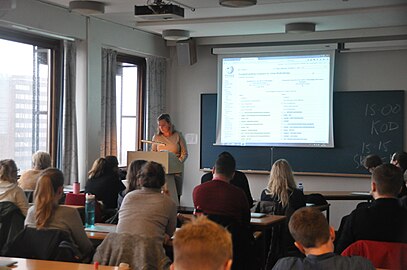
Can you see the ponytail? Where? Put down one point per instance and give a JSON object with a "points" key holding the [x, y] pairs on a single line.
{"points": [[44, 195]]}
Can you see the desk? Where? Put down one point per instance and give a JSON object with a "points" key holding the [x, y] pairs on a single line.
{"points": [[99, 231], [257, 224], [265, 223], [30, 264], [343, 195]]}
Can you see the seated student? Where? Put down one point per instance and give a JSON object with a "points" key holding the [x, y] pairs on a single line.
{"points": [[371, 162], [219, 197], [202, 244], [104, 181], [399, 159], [239, 179], [227, 205], [132, 181], [9, 189], [385, 220], [40, 161], [282, 190], [314, 237], [47, 213], [147, 211]]}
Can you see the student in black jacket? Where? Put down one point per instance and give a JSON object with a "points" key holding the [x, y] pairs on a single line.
{"points": [[385, 219], [104, 181]]}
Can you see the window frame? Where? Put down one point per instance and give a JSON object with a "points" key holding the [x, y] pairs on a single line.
{"points": [[55, 81], [141, 70]]}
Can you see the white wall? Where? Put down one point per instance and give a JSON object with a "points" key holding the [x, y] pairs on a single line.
{"points": [[382, 70]]}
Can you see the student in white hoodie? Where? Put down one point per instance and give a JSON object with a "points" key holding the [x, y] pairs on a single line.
{"points": [[9, 189]]}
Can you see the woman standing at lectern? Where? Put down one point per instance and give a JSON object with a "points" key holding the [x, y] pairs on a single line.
{"points": [[172, 141]]}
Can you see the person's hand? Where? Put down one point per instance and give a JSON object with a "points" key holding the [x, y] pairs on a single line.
{"points": [[165, 190]]}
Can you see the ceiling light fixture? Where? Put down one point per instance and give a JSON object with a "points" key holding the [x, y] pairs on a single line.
{"points": [[237, 3], [297, 28], [87, 7], [175, 34]]}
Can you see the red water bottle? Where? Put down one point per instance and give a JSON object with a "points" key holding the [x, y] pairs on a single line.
{"points": [[76, 188]]}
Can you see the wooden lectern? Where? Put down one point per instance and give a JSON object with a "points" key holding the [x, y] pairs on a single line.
{"points": [[170, 162]]}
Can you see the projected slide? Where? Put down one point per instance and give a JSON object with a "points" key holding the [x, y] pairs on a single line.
{"points": [[279, 100]]}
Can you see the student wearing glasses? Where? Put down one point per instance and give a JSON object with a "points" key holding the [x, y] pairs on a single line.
{"points": [[9, 189]]}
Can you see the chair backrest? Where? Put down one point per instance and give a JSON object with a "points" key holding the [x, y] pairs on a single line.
{"points": [[316, 199], [44, 244], [75, 199], [137, 251], [11, 223], [278, 237], [269, 207], [242, 238], [385, 255]]}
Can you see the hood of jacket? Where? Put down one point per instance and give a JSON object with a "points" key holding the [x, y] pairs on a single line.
{"points": [[6, 186]]}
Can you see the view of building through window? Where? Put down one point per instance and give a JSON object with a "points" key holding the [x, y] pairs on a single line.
{"points": [[127, 109], [24, 93]]}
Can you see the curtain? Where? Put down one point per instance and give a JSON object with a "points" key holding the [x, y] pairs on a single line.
{"points": [[109, 134], [69, 149], [155, 101]]}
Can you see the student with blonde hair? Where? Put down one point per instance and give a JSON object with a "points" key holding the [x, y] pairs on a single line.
{"points": [[202, 245], [9, 190], [40, 161], [282, 193], [47, 213], [281, 188]]}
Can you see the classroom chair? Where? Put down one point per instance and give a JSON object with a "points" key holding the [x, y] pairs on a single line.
{"points": [[44, 244], [11, 223], [140, 252], [384, 255]]}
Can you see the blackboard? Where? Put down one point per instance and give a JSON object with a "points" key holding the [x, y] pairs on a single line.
{"points": [[365, 122]]}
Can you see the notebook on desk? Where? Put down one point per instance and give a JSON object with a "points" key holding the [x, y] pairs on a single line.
{"points": [[99, 228]]}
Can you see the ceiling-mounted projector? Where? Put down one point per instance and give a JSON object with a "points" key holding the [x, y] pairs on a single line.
{"points": [[159, 12]]}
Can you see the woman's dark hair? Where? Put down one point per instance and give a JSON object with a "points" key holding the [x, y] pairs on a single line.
{"points": [[152, 175], [98, 168], [401, 158], [372, 161], [132, 175], [112, 165]]}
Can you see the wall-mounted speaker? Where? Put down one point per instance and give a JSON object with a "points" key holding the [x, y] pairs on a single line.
{"points": [[186, 52]]}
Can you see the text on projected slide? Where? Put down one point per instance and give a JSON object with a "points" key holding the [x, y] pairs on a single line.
{"points": [[276, 100]]}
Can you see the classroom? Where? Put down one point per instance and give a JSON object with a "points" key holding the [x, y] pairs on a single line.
{"points": [[374, 67]]}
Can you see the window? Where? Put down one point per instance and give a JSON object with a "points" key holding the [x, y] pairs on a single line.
{"points": [[26, 87], [129, 89]]}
